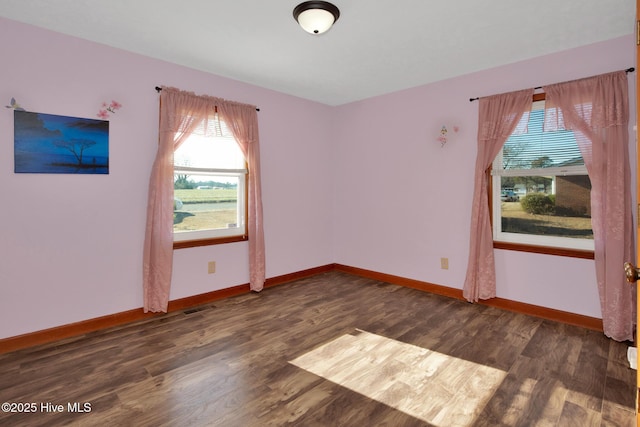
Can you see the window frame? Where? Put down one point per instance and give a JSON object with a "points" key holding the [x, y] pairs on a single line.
{"points": [[506, 244], [196, 240]]}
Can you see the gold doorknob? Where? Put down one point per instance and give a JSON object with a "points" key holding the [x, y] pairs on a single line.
{"points": [[632, 273]]}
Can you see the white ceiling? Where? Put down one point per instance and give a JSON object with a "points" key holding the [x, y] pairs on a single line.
{"points": [[376, 47]]}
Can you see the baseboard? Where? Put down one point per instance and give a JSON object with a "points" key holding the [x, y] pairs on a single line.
{"points": [[79, 328], [588, 322], [401, 281]]}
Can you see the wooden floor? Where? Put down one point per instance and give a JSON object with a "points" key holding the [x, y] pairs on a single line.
{"points": [[330, 350]]}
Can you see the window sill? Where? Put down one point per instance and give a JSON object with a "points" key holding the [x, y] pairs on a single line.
{"points": [[547, 250], [208, 242]]}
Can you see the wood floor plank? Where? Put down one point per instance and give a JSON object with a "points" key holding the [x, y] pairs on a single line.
{"points": [[576, 416], [375, 354], [617, 416]]}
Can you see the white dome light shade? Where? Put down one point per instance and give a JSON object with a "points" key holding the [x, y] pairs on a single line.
{"points": [[315, 21], [316, 17]]}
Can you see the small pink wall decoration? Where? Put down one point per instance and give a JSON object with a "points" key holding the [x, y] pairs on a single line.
{"points": [[442, 138], [108, 108]]}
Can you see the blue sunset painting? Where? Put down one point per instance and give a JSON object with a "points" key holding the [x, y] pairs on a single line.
{"points": [[46, 143]]}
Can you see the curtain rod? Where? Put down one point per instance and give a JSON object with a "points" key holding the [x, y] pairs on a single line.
{"points": [[158, 89], [628, 70]]}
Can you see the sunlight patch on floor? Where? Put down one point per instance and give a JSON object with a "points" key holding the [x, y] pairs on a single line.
{"points": [[434, 387]]}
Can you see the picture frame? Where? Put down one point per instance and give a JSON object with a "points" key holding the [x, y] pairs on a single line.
{"points": [[53, 144]]}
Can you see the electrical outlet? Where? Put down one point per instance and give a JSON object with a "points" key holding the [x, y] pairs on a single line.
{"points": [[444, 263], [212, 267]]}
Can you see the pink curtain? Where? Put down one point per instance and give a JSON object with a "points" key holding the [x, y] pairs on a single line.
{"points": [[242, 120], [596, 109], [499, 117], [181, 114]]}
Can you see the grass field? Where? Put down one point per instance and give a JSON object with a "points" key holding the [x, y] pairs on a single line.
{"points": [[187, 220], [215, 195], [515, 220]]}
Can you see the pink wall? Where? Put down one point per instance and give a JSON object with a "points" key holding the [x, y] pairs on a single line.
{"points": [[71, 246], [364, 184], [403, 201]]}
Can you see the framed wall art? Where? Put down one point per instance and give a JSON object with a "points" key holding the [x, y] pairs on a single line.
{"points": [[51, 144]]}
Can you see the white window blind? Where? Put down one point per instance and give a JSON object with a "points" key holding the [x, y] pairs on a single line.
{"points": [[539, 152]]}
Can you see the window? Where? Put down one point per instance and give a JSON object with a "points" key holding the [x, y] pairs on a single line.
{"points": [[540, 188], [210, 175]]}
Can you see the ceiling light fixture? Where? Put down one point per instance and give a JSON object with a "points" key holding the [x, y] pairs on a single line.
{"points": [[316, 17]]}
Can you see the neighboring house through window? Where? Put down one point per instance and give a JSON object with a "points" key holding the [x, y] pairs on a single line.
{"points": [[541, 190]]}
